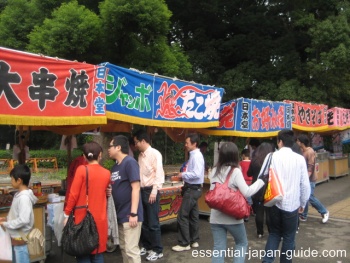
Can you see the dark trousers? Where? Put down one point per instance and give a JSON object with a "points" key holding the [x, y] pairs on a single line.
{"points": [[188, 217], [260, 212], [282, 224], [151, 233]]}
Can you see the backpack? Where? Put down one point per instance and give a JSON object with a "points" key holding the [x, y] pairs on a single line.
{"points": [[35, 242]]}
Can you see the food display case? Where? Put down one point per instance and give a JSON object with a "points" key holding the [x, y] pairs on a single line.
{"points": [[322, 167]]}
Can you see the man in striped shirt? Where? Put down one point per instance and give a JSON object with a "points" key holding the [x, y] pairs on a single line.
{"points": [[292, 172]]}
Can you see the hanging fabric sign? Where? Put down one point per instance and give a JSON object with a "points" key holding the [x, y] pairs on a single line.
{"points": [[39, 90], [149, 99], [308, 117], [338, 118], [252, 118]]}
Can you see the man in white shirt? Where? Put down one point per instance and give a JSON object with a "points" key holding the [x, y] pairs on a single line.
{"points": [[188, 215], [292, 172]]}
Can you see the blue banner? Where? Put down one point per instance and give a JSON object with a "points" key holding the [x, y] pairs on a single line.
{"points": [[149, 99], [252, 118]]}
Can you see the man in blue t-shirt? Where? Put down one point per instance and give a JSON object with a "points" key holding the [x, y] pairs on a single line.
{"points": [[125, 181]]}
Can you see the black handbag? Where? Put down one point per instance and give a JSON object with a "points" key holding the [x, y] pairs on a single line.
{"points": [[80, 239]]}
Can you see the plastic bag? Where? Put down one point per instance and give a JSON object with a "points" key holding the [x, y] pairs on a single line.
{"points": [[6, 247], [274, 191], [58, 222]]}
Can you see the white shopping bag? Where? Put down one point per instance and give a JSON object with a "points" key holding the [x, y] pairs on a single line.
{"points": [[6, 247], [58, 221]]}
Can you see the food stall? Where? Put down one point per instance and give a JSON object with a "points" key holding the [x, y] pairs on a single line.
{"points": [[39, 91], [338, 123], [169, 103], [247, 118]]}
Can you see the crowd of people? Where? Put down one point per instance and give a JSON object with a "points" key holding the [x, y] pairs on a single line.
{"points": [[133, 187]]}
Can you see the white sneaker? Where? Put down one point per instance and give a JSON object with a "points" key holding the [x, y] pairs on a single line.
{"points": [[153, 256], [179, 248], [325, 217], [194, 245], [144, 251]]}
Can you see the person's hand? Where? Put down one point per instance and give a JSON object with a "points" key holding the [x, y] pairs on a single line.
{"points": [[65, 221], [301, 210], [133, 221], [152, 198], [109, 191], [179, 175], [264, 177]]}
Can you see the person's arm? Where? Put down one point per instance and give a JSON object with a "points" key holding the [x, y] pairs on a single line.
{"points": [[310, 161], [237, 180], [159, 176], [75, 190], [135, 197], [197, 165], [305, 189], [25, 210]]}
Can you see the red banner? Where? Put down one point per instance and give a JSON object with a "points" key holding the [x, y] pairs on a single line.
{"points": [[39, 90], [308, 117], [338, 118]]}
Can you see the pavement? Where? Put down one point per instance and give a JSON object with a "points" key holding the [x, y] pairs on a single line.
{"points": [[315, 242]]}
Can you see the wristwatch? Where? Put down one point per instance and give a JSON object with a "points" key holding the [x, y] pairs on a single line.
{"points": [[133, 214]]}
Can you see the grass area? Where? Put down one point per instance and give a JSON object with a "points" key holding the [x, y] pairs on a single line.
{"points": [[45, 176]]}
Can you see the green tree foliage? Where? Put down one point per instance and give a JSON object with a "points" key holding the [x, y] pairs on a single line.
{"points": [[17, 20], [289, 49], [71, 33], [135, 36]]}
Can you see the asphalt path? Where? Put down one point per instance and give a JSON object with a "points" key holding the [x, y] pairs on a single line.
{"points": [[315, 243]]}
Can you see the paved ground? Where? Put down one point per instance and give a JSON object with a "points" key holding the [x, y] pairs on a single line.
{"points": [[330, 241]]}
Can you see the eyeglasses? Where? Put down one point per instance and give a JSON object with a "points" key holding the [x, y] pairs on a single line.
{"points": [[110, 146]]}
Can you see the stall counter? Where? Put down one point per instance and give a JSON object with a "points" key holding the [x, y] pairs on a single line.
{"points": [[322, 167], [170, 202], [338, 166]]}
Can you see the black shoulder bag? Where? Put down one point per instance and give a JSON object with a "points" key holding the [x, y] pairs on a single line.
{"points": [[259, 195], [80, 239]]}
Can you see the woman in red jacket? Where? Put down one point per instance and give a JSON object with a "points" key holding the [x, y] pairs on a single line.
{"points": [[99, 179]]}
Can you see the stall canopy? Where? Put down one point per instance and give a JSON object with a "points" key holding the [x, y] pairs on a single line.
{"points": [[338, 119], [252, 118], [42, 91], [308, 117], [149, 99]]}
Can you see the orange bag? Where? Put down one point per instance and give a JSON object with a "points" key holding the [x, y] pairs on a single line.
{"points": [[274, 191]]}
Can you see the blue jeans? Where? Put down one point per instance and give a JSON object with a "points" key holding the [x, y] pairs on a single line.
{"points": [[281, 224], [150, 233], [238, 232], [314, 202], [20, 254], [93, 258]]}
